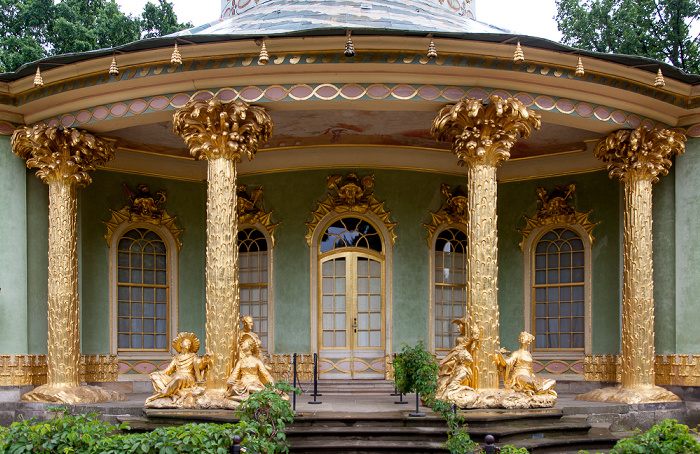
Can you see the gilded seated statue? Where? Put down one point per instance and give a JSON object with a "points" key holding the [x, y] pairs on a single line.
{"points": [[517, 370], [249, 375], [185, 370], [456, 359]]}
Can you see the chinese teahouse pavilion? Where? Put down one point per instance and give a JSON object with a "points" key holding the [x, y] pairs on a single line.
{"points": [[353, 175]]}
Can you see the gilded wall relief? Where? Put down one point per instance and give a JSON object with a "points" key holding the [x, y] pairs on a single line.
{"points": [[353, 195], [251, 210], [144, 207], [452, 211], [554, 209]]}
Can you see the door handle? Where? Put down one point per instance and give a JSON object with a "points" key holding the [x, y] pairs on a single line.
{"points": [[354, 324]]}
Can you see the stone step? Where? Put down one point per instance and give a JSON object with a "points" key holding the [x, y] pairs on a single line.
{"points": [[367, 447]]}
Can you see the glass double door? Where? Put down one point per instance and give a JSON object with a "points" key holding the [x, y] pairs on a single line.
{"points": [[352, 319]]}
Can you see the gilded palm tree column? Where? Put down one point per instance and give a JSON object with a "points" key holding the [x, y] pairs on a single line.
{"points": [[222, 134], [63, 157], [637, 157], [482, 136]]}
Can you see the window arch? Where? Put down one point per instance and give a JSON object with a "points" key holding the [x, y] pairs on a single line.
{"points": [[449, 286], [558, 311], [144, 289], [254, 278]]}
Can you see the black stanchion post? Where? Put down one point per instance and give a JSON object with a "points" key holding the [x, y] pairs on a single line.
{"points": [[396, 391], [236, 447], [489, 448], [417, 414], [294, 394], [315, 381]]}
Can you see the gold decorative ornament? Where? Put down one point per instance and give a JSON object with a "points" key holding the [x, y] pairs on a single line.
{"points": [[518, 56], [182, 381], [221, 133], [355, 195], [144, 208], [264, 58], [349, 46], [113, 68], [637, 157], [250, 374], [19, 370], [251, 210], [63, 158], [672, 370], [482, 136], [579, 68], [38, 80], [432, 52], [659, 82], [176, 58], [453, 211], [554, 209]]}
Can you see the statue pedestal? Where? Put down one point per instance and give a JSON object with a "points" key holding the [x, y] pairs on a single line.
{"points": [[500, 398], [75, 395], [622, 395]]}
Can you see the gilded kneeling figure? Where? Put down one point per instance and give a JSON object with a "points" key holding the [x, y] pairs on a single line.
{"points": [[249, 375]]}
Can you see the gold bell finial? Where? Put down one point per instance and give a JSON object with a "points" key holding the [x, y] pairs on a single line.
{"points": [[38, 80], [519, 56], [176, 58], [349, 47], [264, 58], [113, 68], [579, 68], [432, 52], [659, 82]]}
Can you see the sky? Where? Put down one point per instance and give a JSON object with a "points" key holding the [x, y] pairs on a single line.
{"points": [[533, 17]]}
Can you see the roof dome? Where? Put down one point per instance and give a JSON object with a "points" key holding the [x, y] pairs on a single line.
{"points": [[274, 17]]}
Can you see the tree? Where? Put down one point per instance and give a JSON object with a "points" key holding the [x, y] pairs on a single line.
{"points": [[34, 29], [658, 29]]}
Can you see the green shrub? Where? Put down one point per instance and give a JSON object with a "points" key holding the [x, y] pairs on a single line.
{"points": [[668, 437], [265, 414], [263, 418], [415, 369]]}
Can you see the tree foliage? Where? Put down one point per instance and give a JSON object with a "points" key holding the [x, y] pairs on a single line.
{"points": [[659, 29], [33, 29]]}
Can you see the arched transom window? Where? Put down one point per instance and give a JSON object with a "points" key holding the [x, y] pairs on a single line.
{"points": [[450, 286], [143, 298], [558, 291], [253, 280], [351, 232]]}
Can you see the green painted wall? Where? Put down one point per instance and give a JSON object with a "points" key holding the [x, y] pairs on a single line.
{"points": [[187, 200], [687, 235], [37, 262], [594, 191], [664, 243], [13, 252]]}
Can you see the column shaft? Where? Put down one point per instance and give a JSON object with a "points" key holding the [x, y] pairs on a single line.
{"points": [[638, 287], [482, 269], [63, 308], [222, 306]]}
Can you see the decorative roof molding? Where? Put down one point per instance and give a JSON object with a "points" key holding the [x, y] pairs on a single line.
{"points": [[555, 209], [251, 211], [452, 211], [144, 208], [354, 195]]}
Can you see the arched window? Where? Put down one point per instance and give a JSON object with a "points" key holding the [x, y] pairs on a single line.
{"points": [[143, 287], [450, 286], [560, 279], [253, 280]]}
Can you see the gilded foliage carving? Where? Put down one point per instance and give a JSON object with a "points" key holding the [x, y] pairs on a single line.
{"points": [[144, 208], [640, 153], [61, 154], [353, 195], [554, 209], [452, 211], [213, 129], [484, 133], [251, 210]]}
